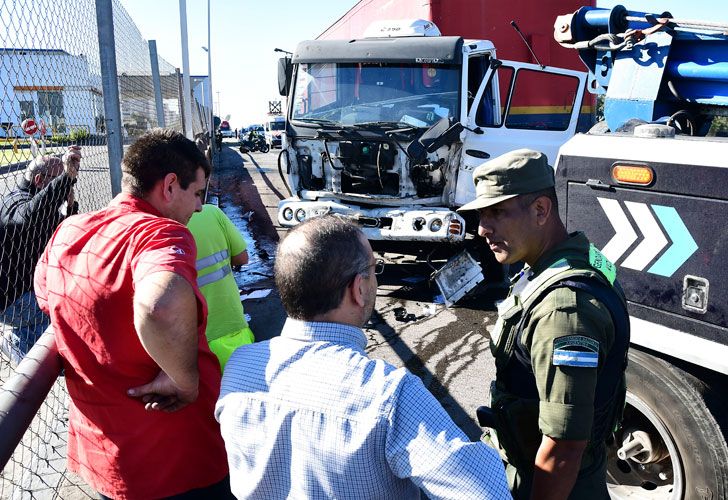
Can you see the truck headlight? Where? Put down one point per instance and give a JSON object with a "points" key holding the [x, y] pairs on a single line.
{"points": [[288, 213], [300, 215], [435, 225]]}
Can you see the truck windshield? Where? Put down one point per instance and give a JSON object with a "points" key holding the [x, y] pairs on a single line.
{"points": [[376, 93], [277, 125]]}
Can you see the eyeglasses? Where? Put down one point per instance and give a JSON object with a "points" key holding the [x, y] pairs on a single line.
{"points": [[378, 266]]}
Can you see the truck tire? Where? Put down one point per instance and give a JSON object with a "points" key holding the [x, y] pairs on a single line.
{"points": [[671, 442]]}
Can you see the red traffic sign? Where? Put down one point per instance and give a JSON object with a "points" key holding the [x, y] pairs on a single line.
{"points": [[29, 126]]}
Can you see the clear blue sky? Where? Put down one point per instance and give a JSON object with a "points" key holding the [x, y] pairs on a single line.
{"points": [[244, 34]]}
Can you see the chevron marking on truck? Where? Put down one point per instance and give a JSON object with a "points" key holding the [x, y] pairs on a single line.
{"points": [[654, 240], [683, 244], [624, 234]]}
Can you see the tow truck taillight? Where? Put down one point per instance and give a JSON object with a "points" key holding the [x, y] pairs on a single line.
{"points": [[633, 174]]}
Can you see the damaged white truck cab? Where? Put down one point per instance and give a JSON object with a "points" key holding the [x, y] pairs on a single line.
{"points": [[387, 130]]}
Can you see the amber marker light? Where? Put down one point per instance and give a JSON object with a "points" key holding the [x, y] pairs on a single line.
{"points": [[633, 174]]}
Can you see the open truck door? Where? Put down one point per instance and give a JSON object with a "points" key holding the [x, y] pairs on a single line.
{"points": [[512, 111]]}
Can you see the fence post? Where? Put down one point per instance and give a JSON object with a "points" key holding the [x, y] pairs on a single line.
{"points": [[157, 83], [181, 100], [110, 86]]}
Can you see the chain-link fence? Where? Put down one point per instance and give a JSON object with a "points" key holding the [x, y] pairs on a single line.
{"points": [[51, 97]]}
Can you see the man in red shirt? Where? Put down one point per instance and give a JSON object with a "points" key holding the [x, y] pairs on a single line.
{"points": [[120, 286]]}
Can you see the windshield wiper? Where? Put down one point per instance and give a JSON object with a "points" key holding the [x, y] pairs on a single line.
{"points": [[393, 128], [388, 124], [314, 121]]}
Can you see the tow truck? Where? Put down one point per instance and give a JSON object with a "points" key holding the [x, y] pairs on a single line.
{"points": [[649, 186]]}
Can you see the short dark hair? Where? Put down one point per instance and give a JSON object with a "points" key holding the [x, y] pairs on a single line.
{"points": [[525, 200], [316, 262], [157, 153]]}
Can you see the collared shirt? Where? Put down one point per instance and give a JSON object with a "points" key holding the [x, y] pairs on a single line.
{"points": [[309, 415], [552, 397], [566, 392], [85, 281]]}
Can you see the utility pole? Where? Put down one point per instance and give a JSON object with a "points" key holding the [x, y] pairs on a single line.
{"points": [[186, 84], [209, 74]]}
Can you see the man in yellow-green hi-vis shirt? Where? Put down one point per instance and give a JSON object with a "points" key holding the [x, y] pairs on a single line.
{"points": [[220, 246]]}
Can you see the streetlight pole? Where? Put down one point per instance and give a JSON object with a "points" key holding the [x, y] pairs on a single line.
{"points": [[186, 84], [209, 74], [208, 94]]}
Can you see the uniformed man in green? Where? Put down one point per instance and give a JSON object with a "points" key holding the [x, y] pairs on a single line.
{"points": [[560, 342]]}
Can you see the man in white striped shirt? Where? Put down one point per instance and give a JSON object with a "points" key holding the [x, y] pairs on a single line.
{"points": [[309, 415]]}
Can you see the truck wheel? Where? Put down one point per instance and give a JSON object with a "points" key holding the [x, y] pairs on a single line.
{"points": [[670, 445]]}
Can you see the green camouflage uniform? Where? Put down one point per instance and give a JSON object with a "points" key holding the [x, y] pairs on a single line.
{"points": [[566, 337]]}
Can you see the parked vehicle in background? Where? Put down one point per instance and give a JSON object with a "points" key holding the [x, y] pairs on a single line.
{"points": [[257, 143], [648, 186], [225, 129], [257, 127], [274, 130]]}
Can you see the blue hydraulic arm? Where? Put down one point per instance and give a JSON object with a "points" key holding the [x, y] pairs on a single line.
{"points": [[652, 67]]}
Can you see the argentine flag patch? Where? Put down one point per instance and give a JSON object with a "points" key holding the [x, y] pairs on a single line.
{"points": [[576, 350]]}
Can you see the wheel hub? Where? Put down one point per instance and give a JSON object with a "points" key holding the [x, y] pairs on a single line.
{"points": [[647, 464], [641, 447]]}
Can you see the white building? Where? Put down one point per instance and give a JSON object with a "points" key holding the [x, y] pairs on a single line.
{"points": [[52, 85]]}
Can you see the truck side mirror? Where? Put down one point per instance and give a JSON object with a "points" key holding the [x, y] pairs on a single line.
{"points": [[285, 72]]}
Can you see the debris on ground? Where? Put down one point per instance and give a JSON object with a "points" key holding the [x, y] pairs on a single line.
{"points": [[401, 314], [429, 310], [255, 294]]}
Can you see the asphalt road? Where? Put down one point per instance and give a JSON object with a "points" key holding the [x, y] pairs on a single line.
{"points": [[446, 347]]}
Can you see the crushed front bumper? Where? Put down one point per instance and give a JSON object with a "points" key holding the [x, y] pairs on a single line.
{"points": [[415, 223]]}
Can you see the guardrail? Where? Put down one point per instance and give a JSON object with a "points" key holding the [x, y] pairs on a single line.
{"points": [[24, 392]]}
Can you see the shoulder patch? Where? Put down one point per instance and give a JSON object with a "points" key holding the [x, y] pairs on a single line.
{"points": [[576, 350]]}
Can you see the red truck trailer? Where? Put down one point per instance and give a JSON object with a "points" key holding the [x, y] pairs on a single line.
{"points": [[485, 20], [477, 19]]}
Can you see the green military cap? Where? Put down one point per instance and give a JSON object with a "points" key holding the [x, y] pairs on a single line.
{"points": [[518, 172]]}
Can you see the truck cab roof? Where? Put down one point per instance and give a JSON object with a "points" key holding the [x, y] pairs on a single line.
{"points": [[428, 50]]}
